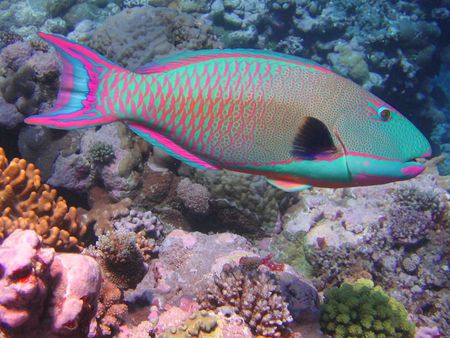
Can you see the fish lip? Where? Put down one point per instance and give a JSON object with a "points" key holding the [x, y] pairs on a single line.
{"points": [[412, 168]]}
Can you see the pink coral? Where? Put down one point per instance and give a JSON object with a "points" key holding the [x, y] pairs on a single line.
{"points": [[24, 271], [75, 288], [43, 294]]}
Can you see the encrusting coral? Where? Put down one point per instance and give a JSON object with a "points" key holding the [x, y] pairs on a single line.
{"points": [[254, 295], [111, 311], [26, 203], [362, 310], [198, 323]]}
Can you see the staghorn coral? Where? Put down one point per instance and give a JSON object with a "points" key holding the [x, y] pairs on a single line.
{"points": [[254, 295], [26, 203], [362, 310]]}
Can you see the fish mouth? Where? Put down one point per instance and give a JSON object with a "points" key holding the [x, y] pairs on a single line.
{"points": [[414, 166]]}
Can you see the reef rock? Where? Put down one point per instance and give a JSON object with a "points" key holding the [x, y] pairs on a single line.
{"points": [[43, 294]]}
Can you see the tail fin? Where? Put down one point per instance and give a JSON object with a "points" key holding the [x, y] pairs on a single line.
{"points": [[76, 104]]}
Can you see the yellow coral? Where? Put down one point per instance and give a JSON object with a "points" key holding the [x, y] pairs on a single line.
{"points": [[26, 203], [200, 324]]}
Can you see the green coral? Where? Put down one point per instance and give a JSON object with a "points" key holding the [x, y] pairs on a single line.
{"points": [[363, 310], [200, 322], [293, 250], [101, 153]]}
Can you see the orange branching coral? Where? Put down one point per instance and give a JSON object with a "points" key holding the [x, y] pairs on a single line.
{"points": [[26, 203]]}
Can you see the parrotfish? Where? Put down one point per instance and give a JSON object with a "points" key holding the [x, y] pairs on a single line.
{"points": [[251, 111]]}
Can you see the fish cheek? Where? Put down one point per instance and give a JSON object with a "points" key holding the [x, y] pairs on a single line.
{"points": [[313, 140]]}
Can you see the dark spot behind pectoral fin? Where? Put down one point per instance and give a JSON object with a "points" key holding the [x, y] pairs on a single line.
{"points": [[313, 139]]}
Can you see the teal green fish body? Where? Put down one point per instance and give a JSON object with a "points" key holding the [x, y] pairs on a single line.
{"points": [[258, 112]]}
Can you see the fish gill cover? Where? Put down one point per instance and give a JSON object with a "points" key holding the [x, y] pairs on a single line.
{"points": [[163, 235]]}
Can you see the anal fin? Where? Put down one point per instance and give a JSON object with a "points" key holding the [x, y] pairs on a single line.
{"points": [[170, 147], [289, 186]]}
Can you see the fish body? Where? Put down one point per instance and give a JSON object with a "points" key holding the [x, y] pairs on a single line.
{"points": [[257, 112]]}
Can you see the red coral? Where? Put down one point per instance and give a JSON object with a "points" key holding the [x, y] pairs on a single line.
{"points": [[271, 264]]}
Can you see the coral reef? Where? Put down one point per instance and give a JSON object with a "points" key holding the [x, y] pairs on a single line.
{"points": [[121, 258], [137, 221], [136, 36], [24, 281], [75, 285], [111, 311], [242, 203], [198, 322], [26, 203], [103, 210], [28, 80], [114, 162], [195, 197], [252, 294], [44, 294], [360, 309], [395, 234]]}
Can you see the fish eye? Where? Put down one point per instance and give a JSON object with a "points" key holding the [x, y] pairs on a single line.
{"points": [[384, 114]]}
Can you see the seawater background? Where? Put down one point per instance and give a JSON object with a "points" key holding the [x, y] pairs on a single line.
{"points": [[397, 49]]}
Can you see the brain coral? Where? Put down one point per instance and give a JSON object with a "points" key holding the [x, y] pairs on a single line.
{"points": [[26, 203]]}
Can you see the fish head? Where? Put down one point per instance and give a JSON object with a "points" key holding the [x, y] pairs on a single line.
{"points": [[379, 143]]}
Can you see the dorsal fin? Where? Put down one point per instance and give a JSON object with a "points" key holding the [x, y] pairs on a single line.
{"points": [[313, 139], [185, 58]]}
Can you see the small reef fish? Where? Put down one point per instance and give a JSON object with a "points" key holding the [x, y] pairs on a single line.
{"points": [[252, 111]]}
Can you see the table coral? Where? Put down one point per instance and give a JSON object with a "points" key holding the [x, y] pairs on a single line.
{"points": [[26, 203]]}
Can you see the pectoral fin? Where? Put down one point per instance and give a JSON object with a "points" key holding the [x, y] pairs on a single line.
{"points": [[288, 186], [313, 140]]}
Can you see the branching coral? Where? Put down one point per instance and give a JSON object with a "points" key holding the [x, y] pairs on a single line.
{"points": [[26, 203], [254, 295], [362, 310]]}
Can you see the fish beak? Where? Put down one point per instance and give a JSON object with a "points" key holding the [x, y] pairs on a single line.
{"points": [[411, 169]]}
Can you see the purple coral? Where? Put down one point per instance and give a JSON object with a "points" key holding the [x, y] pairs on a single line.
{"points": [[137, 221]]}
